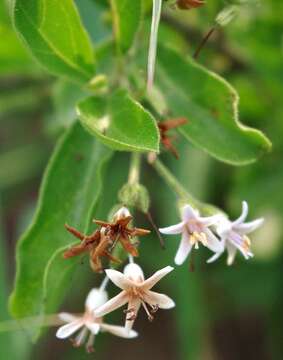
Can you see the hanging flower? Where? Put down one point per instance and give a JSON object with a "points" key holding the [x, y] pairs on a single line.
{"points": [[136, 292], [233, 235], [89, 322], [194, 230]]}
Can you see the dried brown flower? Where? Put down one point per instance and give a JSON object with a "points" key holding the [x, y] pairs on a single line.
{"points": [[164, 127], [189, 4], [102, 241]]}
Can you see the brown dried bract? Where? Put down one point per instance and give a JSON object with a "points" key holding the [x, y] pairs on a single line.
{"points": [[167, 140], [102, 241], [189, 4]]}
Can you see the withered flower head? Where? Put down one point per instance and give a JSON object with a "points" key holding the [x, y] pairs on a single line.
{"points": [[166, 140], [119, 230], [189, 4], [102, 241]]}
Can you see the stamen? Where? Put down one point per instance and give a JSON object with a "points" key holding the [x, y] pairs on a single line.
{"points": [[89, 344], [154, 308], [80, 337], [246, 243], [150, 317]]}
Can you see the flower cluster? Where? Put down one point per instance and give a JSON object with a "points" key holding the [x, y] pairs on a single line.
{"points": [[215, 232]]}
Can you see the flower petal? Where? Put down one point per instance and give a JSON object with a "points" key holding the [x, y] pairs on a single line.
{"points": [[242, 217], [210, 220], [213, 243], [93, 327], [119, 279], [69, 329], [231, 249], [134, 306], [134, 273], [119, 331], [214, 257], [184, 249], [95, 298], [188, 213], [174, 229], [112, 304], [162, 301], [67, 317], [157, 276], [248, 227]]}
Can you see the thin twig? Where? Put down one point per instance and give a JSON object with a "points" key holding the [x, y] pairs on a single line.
{"points": [[161, 240], [203, 42]]}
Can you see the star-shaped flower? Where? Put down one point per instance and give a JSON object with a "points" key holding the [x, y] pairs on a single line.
{"points": [[233, 235], [194, 230], [102, 241], [90, 322], [136, 291]]}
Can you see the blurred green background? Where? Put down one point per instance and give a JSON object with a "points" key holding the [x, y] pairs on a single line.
{"points": [[222, 313]]}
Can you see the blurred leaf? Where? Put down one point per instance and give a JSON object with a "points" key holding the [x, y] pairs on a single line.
{"points": [[12, 344], [65, 97], [13, 58], [211, 106], [54, 34], [20, 164], [120, 122], [70, 188], [91, 10], [126, 20]]}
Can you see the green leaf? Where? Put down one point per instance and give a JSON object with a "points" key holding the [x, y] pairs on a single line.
{"points": [[70, 189], [53, 32], [126, 20], [119, 122], [210, 105]]}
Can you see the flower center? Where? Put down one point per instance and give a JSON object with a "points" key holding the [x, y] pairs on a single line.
{"points": [[136, 292], [242, 241], [196, 233]]}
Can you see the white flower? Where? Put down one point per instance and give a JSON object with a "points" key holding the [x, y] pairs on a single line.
{"points": [[233, 235], [89, 321], [194, 229], [136, 291]]}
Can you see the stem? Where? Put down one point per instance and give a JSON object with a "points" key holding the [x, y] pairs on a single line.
{"points": [[135, 165], [131, 259], [173, 183], [184, 195], [156, 13], [203, 42]]}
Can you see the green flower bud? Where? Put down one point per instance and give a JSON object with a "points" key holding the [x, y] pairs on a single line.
{"points": [[136, 196]]}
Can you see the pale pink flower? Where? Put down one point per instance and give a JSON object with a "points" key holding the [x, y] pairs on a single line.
{"points": [[194, 230], [90, 322], [136, 291], [233, 235]]}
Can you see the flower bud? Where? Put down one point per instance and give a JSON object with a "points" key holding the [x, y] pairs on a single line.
{"points": [[136, 196]]}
